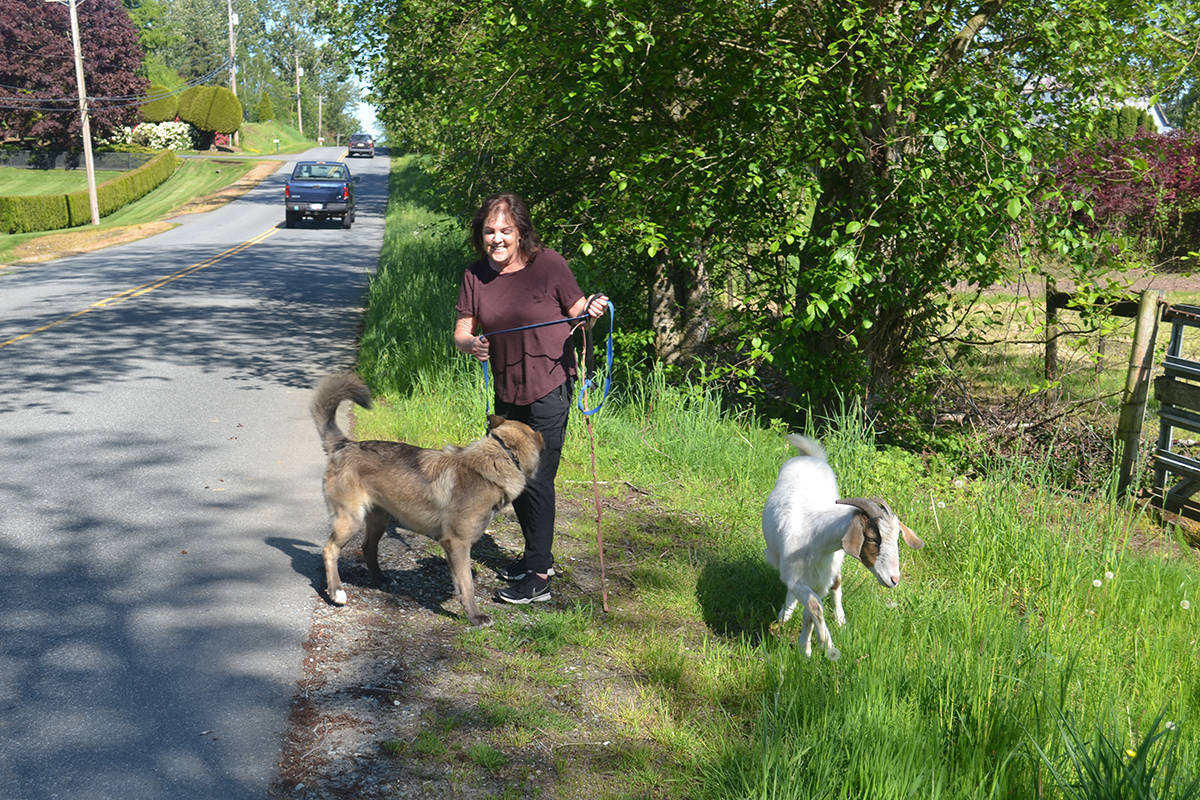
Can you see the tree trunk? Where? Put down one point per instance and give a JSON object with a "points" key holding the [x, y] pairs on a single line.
{"points": [[680, 310]]}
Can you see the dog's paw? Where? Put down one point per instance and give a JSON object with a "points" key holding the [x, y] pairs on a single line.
{"points": [[339, 597]]}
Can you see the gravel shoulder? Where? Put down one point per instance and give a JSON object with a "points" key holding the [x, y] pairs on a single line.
{"points": [[400, 698]]}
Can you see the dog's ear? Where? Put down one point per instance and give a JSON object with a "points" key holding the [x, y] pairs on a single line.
{"points": [[852, 539], [494, 421]]}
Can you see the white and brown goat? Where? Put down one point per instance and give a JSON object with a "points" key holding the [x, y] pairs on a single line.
{"points": [[808, 532]]}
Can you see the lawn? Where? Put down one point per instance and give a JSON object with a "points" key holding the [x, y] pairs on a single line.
{"points": [[22, 181]]}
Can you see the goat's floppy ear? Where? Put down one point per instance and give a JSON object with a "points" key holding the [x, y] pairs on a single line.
{"points": [[852, 539], [910, 538]]}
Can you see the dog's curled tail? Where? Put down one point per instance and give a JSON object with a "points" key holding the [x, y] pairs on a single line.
{"points": [[807, 446], [328, 395]]}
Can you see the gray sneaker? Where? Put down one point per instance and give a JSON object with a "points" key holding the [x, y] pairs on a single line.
{"points": [[530, 589]]}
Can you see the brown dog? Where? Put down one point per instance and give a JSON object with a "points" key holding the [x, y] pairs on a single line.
{"points": [[449, 495]]}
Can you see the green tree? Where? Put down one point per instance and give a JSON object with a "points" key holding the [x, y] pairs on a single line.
{"points": [[834, 168], [266, 109]]}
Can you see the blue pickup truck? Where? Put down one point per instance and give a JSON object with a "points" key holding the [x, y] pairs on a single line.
{"points": [[321, 190]]}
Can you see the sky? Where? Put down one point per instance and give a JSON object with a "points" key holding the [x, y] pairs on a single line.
{"points": [[366, 116]]}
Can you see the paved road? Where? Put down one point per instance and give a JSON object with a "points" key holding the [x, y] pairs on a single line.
{"points": [[160, 508]]}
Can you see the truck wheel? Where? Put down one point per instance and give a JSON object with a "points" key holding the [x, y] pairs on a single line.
{"points": [[347, 220], [289, 219]]}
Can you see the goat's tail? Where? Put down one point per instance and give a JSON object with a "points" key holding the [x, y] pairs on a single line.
{"points": [[807, 446], [330, 392]]}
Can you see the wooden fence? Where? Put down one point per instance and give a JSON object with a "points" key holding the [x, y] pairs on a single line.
{"points": [[1176, 471]]}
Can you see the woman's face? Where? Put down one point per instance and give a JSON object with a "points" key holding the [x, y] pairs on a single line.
{"points": [[501, 239]]}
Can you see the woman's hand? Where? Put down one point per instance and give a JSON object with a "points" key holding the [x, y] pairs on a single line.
{"points": [[466, 340], [481, 348], [597, 304]]}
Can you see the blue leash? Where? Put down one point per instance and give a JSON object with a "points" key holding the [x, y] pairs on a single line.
{"points": [[587, 383]]}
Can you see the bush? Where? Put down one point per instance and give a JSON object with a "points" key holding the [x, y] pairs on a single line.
{"points": [[190, 100], [224, 112], [164, 136], [23, 214], [1123, 123], [211, 109], [1141, 187], [162, 107]]}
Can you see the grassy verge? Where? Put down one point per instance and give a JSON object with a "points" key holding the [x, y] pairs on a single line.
{"points": [[258, 138], [1036, 632]]}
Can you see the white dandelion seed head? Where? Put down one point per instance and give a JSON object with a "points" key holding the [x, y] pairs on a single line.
{"points": [[941, 503], [1108, 576], [960, 483], [1097, 583], [1185, 605]]}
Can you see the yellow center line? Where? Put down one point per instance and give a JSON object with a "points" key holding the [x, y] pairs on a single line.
{"points": [[145, 288]]}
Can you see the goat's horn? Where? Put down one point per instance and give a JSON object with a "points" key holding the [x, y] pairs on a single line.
{"points": [[874, 509]]}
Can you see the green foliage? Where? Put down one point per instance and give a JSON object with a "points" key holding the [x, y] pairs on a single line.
{"points": [[266, 109], [21, 214], [213, 109], [1109, 769], [193, 104], [163, 107], [225, 111], [1122, 123], [836, 167]]}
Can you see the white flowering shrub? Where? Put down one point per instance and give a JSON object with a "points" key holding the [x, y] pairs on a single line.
{"points": [[164, 135], [120, 135]]}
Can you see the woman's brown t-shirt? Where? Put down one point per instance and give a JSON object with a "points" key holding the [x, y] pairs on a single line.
{"points": [[528, 364]]}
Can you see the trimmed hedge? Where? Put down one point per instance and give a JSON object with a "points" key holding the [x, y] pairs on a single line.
{"points": [[27, 214], [213, 109], [163, 108]]}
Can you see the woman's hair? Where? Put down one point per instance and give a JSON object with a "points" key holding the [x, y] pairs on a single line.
{"points": [[515, 207]]}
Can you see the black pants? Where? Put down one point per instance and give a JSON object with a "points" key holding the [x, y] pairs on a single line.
{"points": [[535, 506]]}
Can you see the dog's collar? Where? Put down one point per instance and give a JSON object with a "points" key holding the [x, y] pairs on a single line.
{"points": [[507, 449]]}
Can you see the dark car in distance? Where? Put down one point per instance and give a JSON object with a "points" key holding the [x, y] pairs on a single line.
{"points": [[320, 190], [361, 144]]}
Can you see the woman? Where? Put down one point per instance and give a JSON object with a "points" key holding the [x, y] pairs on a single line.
{"points": [[516, 282]]}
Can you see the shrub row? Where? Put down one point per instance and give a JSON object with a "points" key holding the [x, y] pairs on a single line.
{"points": [[26, 214]]}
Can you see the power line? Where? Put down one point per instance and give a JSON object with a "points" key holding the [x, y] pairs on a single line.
{"points": [[17, 103]]}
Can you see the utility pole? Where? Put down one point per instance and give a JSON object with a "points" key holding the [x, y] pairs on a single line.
{"points": [[320, 101], [233, 20], [299, 72], [83, 112]]}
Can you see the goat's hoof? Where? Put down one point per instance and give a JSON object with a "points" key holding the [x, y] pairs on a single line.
{"points": [[339, 597]]}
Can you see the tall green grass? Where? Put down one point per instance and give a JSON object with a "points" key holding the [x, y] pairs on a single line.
{"points": [[1038, 638]]}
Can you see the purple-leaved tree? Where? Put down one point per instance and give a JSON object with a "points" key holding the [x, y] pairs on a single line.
{"points": [[38, 92]]}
